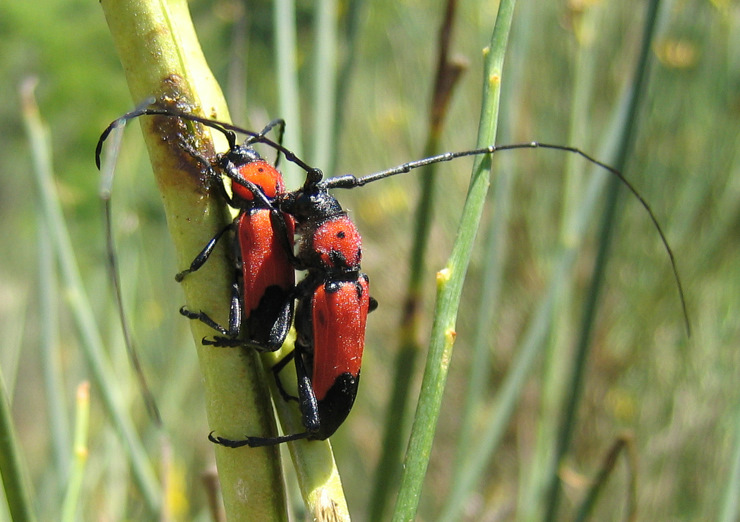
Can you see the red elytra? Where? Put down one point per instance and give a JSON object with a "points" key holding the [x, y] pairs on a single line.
{"points": [[263, 260], [263, 301], [339, 320]]}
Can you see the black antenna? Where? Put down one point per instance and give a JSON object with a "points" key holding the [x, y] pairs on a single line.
{"points": [[226, 128], [105, 195], [350, 181]]}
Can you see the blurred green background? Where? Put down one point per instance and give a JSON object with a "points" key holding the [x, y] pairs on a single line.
{"points": [[567, 67]]}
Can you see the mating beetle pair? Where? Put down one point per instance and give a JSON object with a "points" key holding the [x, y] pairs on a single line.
{"points": [[333, 299]]}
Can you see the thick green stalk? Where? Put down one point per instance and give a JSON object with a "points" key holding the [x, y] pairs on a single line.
{"points": [[161, 56]]}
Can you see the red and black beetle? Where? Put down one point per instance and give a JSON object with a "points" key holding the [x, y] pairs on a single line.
{"points": [[262, 298], [333, 299], [262, 295]]}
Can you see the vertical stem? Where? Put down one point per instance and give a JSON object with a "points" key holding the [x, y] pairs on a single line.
{"points": [[325, 83], [386, 474], [161, 56], [450, 281], [14, 473], [287, 83]]}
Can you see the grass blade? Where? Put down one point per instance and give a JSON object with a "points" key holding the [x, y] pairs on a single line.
{"points": [[450, 281], [12, 468], [82, 424]]}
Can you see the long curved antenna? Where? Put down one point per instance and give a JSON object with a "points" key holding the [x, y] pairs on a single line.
{"points": [[350, 181], [105, 195]]}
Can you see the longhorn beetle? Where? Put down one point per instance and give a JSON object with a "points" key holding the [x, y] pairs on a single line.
{"points": [[333, 298], [260, 293]]}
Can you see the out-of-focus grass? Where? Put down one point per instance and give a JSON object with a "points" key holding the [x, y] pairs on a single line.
{"points": [[677, 396]]}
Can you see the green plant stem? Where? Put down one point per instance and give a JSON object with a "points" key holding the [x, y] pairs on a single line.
{"points": [[51, 355], [495, 248], [236, 383], [354, 14], [450, 282], [496, 251], [501, 411], [625, 146], [386, 474], [558, 358], [325, 83], [287, 84], [161, 56], [313, 460], [731, 501]]}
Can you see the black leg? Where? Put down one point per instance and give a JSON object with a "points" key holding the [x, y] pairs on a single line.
{"points": [[204, 254], [256, 442]]}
